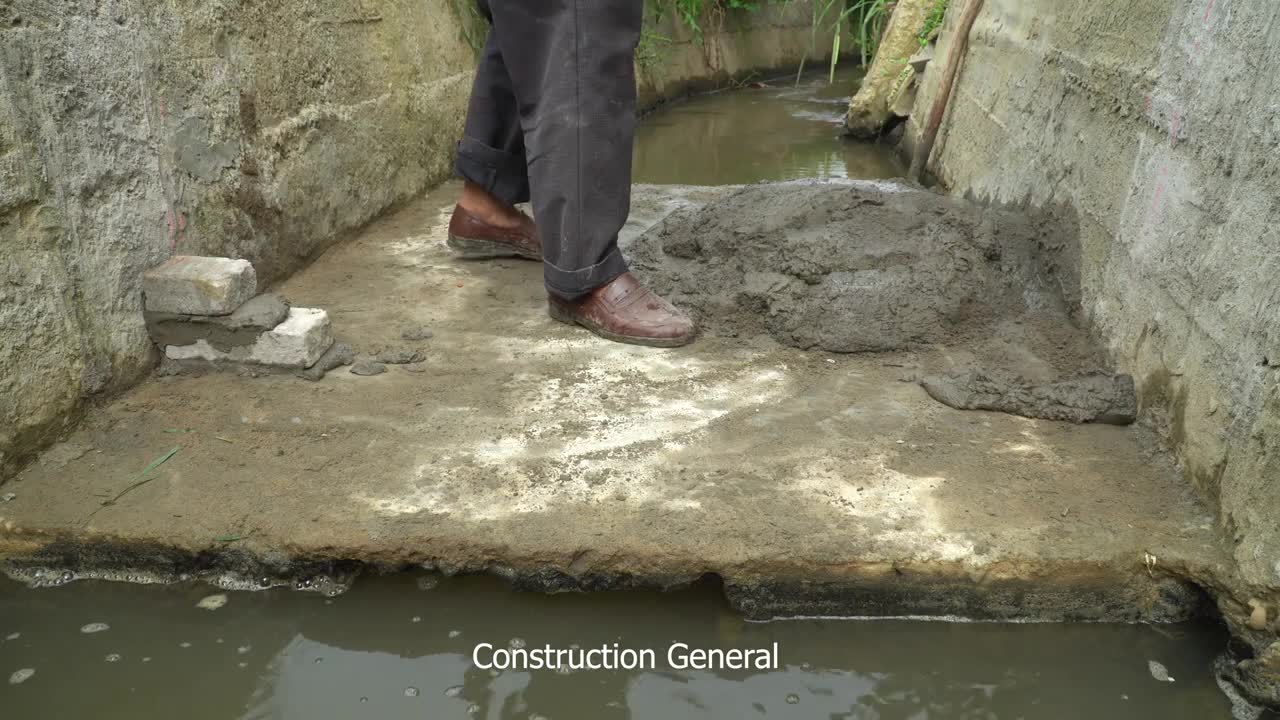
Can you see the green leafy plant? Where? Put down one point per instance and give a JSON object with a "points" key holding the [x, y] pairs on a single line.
{"points": [[871, 17], [820, 10], [866, 19], [649, 52], [692, 12], [936, 15], [471, 24]]}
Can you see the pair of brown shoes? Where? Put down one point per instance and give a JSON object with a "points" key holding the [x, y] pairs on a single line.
{"points": [[622, 310]]}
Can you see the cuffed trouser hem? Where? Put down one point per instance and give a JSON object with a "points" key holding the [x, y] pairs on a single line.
{"points": [[502, 174], [573, 284]]}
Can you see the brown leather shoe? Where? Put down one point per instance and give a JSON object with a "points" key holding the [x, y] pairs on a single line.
{"points": [[627, 312], [475, 239]]}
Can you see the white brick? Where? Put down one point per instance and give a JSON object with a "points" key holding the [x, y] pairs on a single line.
{"points": [[296, 343], [191, 285], [303, 336]]}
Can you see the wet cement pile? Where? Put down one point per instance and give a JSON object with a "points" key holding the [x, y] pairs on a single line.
{"points": [[878, 267]]}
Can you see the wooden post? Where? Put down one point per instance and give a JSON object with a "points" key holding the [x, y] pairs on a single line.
{"points": [[956, 54]]}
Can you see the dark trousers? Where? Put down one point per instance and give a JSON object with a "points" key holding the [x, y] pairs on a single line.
{"points": [[552, 120]]}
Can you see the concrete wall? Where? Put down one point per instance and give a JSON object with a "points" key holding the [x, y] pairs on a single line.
{"points": [[736, 46], [1158, 121], [131, 130]]}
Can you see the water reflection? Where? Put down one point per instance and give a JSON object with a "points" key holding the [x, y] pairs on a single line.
{"points": [[291, 655], [779, 133]]}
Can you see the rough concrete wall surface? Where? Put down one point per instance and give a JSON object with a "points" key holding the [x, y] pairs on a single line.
{"points": [[130, 131], [735, 45], [1158, 122]]}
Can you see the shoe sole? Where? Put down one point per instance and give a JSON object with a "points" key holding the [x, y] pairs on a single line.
{"points": [[472, 249], [569, 318]]}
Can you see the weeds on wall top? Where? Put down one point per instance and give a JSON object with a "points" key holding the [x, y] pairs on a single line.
{"points": [[693, 12], [472, 24], [864, 19], [936, 15]]}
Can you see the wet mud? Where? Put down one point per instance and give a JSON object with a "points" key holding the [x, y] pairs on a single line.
{"points": [[874, 267]]}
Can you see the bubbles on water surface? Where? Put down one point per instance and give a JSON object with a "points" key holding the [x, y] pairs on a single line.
{"points": [[411, 692], [92, 628], [39, 577], [453, 692], [21, 676], [473, 709], [428, 582], [416, 619], [13, 636], [113, 657], [793, 699], [184, 644], [244, 649], [516, 643], [454, 633]]}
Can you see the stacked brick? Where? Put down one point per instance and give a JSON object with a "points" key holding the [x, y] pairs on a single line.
{"points": [[205, 312]]}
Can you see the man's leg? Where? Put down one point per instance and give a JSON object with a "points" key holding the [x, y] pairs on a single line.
{"points": [[572, 69], [491, 161], [571, 62]]}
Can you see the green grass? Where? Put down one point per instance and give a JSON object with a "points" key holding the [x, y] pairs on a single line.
{"points": [[472, 25], [863, 19], [871, 17], [934, 21], [691, 12], [650, 52]]}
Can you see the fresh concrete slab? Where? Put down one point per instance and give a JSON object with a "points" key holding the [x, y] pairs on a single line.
{"points": [[809, 482]]}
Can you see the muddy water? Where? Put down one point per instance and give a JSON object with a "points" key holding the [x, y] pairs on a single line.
{"points": [[780, 132], [401, 647]]}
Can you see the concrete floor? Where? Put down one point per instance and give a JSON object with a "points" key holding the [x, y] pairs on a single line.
{"points": [[810, 483]]}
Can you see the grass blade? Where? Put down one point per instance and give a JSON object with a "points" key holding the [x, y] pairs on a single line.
{"points": [[160, 460]]}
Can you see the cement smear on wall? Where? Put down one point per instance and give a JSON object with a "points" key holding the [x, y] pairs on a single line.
{"points": [[1157, 122]]}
